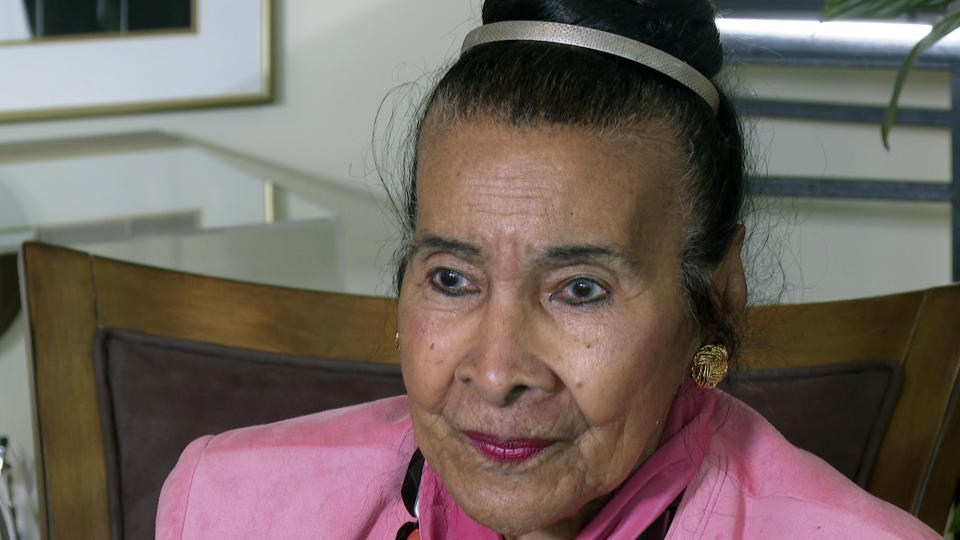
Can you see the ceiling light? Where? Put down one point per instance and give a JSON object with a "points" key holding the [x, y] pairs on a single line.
{"points": [[887, 32]]}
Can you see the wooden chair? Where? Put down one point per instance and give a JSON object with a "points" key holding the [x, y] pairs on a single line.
{"points": [[70, 296], [918, 463], [73, 298]]}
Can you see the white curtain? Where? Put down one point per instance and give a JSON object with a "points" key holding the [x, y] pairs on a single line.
{"points": [[13, 21]]}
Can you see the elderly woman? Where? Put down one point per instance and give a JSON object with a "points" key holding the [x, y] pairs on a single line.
{"points": [[568, 297]]}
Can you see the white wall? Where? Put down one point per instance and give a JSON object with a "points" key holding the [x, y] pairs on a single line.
{"points": [[833, 249], [336, 61]]}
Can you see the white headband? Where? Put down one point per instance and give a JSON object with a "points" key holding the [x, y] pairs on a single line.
{"points": [[597, 40]]}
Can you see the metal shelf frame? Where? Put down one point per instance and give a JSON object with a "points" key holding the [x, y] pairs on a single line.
{"points": [[809, 52]]}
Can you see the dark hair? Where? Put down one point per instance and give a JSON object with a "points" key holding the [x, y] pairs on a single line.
{"points": [[529, 83]]}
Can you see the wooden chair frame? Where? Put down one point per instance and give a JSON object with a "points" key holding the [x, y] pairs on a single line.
{"points": [[69, 295]]}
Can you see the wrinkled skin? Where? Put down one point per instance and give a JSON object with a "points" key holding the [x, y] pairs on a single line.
{"points": [[543, 300]]}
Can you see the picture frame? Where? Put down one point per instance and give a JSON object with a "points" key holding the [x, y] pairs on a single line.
{"points": [[225, 59]]}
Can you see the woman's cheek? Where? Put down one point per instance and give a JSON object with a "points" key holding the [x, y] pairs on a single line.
{"points": [[426, 359], [593, 380], [616, 365]]}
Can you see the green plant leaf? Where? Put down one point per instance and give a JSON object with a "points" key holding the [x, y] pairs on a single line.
{"points": [[876, 9], [943, 27]]}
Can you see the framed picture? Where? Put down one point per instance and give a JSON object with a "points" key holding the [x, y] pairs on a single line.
{"points": [[217, 54]]}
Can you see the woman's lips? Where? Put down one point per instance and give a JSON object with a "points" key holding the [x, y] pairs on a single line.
{"points": [[507, 450]]}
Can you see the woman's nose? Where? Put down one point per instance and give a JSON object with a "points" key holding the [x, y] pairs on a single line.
{"points": [[504, 363]]}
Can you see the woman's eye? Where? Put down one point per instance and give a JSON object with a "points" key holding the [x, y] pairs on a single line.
{"points": [[582, 291], [451, 282]]}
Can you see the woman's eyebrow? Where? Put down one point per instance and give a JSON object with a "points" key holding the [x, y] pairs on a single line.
{"points": [[586, 253], [440, 243], [558, 255]]}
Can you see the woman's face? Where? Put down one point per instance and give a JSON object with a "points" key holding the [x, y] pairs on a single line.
{"points": [[543, 326]]}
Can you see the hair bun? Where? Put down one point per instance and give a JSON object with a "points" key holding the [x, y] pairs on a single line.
{"points": [[682, 28]]}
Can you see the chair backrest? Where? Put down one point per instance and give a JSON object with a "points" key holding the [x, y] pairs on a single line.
{"points": [[136, 335], [92, 320], [917, 465]]}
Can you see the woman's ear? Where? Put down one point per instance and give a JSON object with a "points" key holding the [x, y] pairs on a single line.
{"points": [[729, 281]]}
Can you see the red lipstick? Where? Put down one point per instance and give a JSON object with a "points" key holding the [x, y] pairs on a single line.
{"points": [[507, 450]]}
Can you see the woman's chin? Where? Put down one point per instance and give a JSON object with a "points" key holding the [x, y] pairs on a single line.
{"points": [[514, 515], [516, 504]]}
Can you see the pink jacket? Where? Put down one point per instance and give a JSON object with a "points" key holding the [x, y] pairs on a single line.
{"points": [[337, 474]]}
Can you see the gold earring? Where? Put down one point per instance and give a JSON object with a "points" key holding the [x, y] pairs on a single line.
{"points": [[396, 341], [709, 366]]}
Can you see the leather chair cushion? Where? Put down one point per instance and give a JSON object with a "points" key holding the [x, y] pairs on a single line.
{"points": [[837, 411], [157, 394]]}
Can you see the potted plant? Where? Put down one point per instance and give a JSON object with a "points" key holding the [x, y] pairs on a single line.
{"points": [[889, 9]]}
